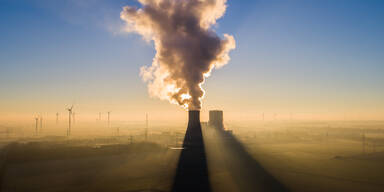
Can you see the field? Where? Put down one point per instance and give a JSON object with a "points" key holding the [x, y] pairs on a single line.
{"points": [[322, 156], [299, 156]]}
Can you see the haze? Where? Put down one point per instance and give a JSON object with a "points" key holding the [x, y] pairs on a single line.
{"points": [[191, 95]]}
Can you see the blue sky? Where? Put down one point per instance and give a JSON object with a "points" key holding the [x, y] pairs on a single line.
{"points": [[305, 57]]}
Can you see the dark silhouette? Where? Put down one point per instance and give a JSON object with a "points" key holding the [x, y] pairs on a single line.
{"points": [[192, 172]]}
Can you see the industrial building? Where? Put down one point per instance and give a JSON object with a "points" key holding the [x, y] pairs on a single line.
{"points": [[216, 119]]}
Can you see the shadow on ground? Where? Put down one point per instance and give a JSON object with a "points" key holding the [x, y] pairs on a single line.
{"points": [[232, 168], [226, 166]]}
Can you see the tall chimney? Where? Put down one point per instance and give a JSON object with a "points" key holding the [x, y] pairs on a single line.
{"points": [[192, 171], [193, 136]]}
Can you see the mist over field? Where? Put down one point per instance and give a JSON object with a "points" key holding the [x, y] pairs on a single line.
{"points": [[191, 96], [302, 155]]}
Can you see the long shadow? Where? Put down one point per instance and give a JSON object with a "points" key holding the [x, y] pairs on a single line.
{"points": [[192, 171], [230, 156], [247, 173]]}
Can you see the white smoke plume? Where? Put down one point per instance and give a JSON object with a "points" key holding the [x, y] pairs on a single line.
{"points": [[187, 48]]}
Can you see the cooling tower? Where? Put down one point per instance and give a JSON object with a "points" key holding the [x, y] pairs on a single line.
{"points": [[192, 171], [216, 119], [193, 136]]}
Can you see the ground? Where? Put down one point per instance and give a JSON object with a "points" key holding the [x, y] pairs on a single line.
{"points": [[294, 156]]}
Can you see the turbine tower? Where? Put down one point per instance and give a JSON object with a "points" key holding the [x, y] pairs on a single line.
{"points": [[36, 127], [57, 118], [109, 120], [69, 120], [146, 126]]}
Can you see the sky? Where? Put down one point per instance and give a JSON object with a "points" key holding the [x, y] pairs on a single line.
{"points": [[320, 60]]}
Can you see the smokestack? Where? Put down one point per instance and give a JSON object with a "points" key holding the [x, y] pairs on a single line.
{"points": [[193, 136], [192, 170]]}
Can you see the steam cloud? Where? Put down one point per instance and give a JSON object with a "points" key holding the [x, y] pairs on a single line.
{"points": [[187, 48]]}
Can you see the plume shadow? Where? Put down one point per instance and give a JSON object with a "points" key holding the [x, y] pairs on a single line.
{"points": [[246, 173]]}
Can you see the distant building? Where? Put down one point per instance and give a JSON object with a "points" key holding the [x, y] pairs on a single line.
{"points": [[216, 119]]}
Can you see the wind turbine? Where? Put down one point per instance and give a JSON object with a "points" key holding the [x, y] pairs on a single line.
{"points": [[57, 118], [109, 120], [146, 126], [69, 120], [36, 127]]}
